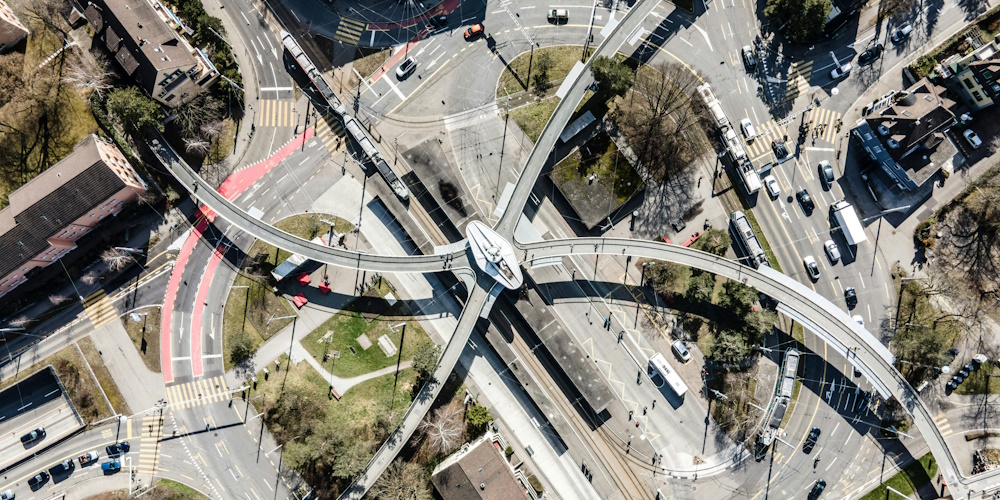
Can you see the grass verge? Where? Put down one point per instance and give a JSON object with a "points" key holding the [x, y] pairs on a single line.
{"points": [[222, 146], [344, 328], [533, 117], [907, 480], [179, 491], [80, 386], [372, 62], [799, 334], [548, 73], [103, 376], [763, 240], [145, 335]]}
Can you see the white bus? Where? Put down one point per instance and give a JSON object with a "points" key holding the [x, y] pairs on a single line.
{"points": [[659, 363]]}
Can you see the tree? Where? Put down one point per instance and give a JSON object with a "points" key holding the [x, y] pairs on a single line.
{"points": [[89, 74], [701, 288], [116, 259], [444, 428], [714, 241], [737, 298], [402, 481], [756, 325], [425, 360], [669, 278], [197, 145], [352, 456], [801, 20], [613, 77], [136, 112], [194, 114], [658, 120], [542, 66], [729, 347], [242, 349], [975, 237], [477, 418]]}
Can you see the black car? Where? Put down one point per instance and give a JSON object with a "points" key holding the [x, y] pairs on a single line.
{"points": [[810, 443], [805, 200], [678, 224], [438, 21], [826, 174], [66, 466], [851, 297], [871, 54], [39, 479], [780, 150], [117, 449], [33, 436], [817, 489]]}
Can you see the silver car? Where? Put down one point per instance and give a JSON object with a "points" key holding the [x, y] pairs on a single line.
{"points": [[812, 267], [832, 251]]}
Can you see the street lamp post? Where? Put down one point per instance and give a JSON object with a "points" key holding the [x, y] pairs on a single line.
{"points": [[121, 420], [399, 359], [503, 142], [292, 343], [243, 329]]}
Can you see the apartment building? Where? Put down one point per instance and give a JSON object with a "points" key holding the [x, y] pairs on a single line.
{"points": [[975, 77], [50, 213], [144, 37]]}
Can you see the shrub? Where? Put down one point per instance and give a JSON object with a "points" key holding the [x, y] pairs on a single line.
{"points": [[476, 420]]}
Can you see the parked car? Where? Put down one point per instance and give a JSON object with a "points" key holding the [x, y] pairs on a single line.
{"points": [[63, 467], [773, 188], [780, 150], [748, 57], [817, 489], [111, 466], [474, 31], [33, 436], [811, 267], [973, 138], [748, 132], [811, 440], [438, 21], [902, 33], [841, 71], [805, 200], [871, 54], [851, 297], [681, 350], [406, 68], [826, 174], [39, 479], [678, 224], [832, 251]]}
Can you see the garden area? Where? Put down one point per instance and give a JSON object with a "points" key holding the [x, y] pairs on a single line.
{"points": [[163, 489], [908, 480], [251, 307], [596, 179], [984, 28], [924, 333], [145, 335]]}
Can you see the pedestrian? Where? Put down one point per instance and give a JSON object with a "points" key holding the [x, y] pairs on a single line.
{"points": [[654, 404], [637, 423], [644, 410], [630, 414]]}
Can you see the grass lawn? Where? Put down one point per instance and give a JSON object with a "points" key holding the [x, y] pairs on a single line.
{"points": [[533, 117], [763, 240], [103, 376], [73, 374], [222, 146], [179, 491], [252, 319], [370, 63], [562, 58], [345, 327], [908, 480], [798, 333], [976, 383], [615, 179], [145, 335]]}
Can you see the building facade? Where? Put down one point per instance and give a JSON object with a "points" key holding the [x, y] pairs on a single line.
{"points": [[51, 212], [12, 31], [975, 77], [144, 37]]}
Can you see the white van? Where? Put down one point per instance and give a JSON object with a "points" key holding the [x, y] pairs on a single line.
{"points": [[558, 15], [681, 350]]}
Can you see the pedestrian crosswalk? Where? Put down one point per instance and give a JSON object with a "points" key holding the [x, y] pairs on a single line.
{"points": [[330, 132], [798, 79], [99, 309], [197, 393], [149, 439], [349, 31], [822, 124], [761, 145], [942, 424], [276, 113]]}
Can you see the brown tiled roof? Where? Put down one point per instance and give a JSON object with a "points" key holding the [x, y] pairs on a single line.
{"points": [[94, 17], [914, 118], [481, 474]]}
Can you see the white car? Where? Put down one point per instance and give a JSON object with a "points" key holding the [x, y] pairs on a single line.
{"points": [[973, 138], [406, 68], [748, 56], [748, 132], [841, 71], [811, 267], [772, 186], [832, 251]]}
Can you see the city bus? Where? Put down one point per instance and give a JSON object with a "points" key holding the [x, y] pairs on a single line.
{"points": [[660, 365]]}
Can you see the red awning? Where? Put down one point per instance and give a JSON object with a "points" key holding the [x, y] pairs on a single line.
{"points": [[300, 300], [691, 239], [325, 288], [304, 279]]}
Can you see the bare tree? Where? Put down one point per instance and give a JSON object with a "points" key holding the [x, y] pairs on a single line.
{"points": [[57, 299], [20, 321], [975, 231], [212, 129], [89, 74], [444, 428], [116, 259], [199, 111], [90, 277], [197, 145], [402, 481]]}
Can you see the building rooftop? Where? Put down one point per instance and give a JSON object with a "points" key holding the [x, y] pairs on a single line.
{"points": [[151, 27], [914, 118], [481, 473]]}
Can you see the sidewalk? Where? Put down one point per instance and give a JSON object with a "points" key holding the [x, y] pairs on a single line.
{"points": [[140, 387]]}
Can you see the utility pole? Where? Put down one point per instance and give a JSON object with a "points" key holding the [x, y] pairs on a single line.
{"points": [[503, 142], [399, 359]]}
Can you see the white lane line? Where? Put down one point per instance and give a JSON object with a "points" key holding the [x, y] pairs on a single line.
{"points": [[835, 429], [280, 89], [705, 35], [831, 463], [528, 7], [687, 42], [862, 280], [394, 88], [245, 18]]}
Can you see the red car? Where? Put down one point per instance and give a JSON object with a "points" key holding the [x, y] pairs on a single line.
{"points": [[474, 31]]}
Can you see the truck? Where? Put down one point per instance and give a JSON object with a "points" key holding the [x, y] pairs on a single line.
{"points": [[848, 222], [88, 457], [746, 175]]}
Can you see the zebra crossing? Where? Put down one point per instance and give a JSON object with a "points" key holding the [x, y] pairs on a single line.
{"points": [[349, 31], [149, 438], [760, 146], [798, 79], [276, 113], [330, 132], [198, 392], [99, 309], [942, 424], [823, 124]]}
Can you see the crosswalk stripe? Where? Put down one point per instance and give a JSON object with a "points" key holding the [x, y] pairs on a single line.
{"points": [[99, 309], [349, 31], [198, 392]]}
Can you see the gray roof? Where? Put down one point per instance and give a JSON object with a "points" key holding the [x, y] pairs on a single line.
{"points": [[481, 474]]}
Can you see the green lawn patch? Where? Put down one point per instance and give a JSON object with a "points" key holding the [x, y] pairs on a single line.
{"points": [[328, 441], [980, 383], [249, 310], [103, 376], [763, 240], [560, 60], [145, 335], [367, 65], [799, 333], [908, 480], [614, 179], [222, 146], [75, 378], [533, 117], [179, 491], [340, 333]]}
